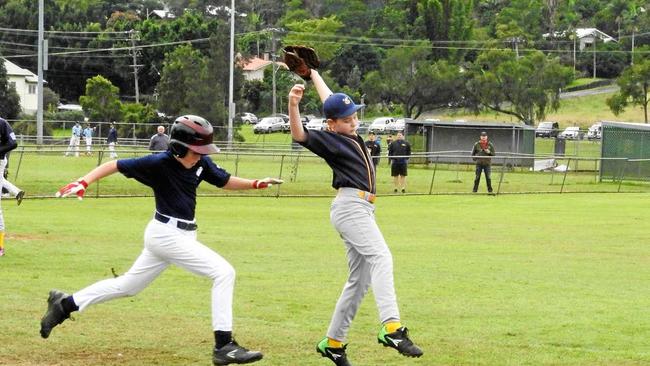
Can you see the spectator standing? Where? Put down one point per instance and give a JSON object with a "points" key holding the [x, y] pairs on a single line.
{"points": [[159, 141], [111, 140], [374, 148], [399, 152], [482, 153], [88, 137], [74, 140]]}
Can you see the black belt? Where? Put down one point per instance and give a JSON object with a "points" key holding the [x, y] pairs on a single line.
{"points": [[179, 224]]}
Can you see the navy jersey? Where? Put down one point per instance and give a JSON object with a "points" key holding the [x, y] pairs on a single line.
{"points": [[7, 138], [399, 148], [346, 155], [173, 185], [112, 135]]}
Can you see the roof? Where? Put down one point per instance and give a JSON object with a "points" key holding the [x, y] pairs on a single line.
{"points": [[257, 63], [475, 124], [627, 125], [15, 70]]}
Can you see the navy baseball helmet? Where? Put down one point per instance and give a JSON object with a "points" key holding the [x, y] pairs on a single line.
{"points": [[340, 105], [194, 133]]}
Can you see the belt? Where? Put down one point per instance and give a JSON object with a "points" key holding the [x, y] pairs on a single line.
{"points": [[366, 196], [179, 224]]}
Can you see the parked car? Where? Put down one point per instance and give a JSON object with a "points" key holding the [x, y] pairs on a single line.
{"points": [[379, 124], [595, 132], [269, 124], [398, 126], [570, 133], [362, 128], [248, 118], [547, 129], [318, 124]]}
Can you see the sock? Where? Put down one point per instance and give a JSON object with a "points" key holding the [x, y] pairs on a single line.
{"points": [[392, 326], [2, 239], [69, 305], [333, 343], [222, 338]]}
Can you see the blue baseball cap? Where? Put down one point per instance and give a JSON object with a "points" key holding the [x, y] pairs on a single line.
{"points": [[339, 105]]}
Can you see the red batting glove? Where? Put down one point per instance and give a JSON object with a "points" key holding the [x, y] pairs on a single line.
{"points": [[78, 188], [266, 182]]}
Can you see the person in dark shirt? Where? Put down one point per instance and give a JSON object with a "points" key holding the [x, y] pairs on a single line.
{"points": [[352, 214], [111, 140], [482, 154], [374, 148], [7, 143], [159, 141], [398, 154], [170, 236]]}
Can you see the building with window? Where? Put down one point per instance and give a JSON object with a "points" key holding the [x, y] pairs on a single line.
{"points": [[25, 82]]}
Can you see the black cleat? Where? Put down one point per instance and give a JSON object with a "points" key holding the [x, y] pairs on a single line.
{"points": [[55, 314], [234, 353], [337, 355], [19, 197], [400, 341]]}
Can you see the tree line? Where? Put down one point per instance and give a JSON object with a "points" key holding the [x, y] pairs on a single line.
{"points": [[408, 56]]}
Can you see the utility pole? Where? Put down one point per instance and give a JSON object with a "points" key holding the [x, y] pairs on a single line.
{"points": [[273, 65], [231, 104], [39, 87], [595, 39], [134, 36]]}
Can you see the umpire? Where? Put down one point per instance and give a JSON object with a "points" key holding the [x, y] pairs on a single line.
{"points": [[482, 153], [398, 154]]}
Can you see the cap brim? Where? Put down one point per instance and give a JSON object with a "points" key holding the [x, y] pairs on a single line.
{"points": [[205, 149]]}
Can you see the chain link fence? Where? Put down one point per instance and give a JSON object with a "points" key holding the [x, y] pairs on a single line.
{"points": [[41, 171]]}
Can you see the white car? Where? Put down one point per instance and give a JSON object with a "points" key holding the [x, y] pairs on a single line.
{"points": [[248, 118], [570, 133], [318, 124], [398, 126], [595, 132], [268, 125], [379, 124]]}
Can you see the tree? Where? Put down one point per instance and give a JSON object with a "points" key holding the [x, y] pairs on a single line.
{"points": [[634, 83], [446, 20], [181, 74], [9, 99], [408, 78], [526, 87], [101, 100]]}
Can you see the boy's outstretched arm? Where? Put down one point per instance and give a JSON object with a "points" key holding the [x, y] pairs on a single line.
{"points": [[79, 187], [237, 183], [295, 95], [322, 88]]}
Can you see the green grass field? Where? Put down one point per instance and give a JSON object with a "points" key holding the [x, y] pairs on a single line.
{"points": [[509, 280]]}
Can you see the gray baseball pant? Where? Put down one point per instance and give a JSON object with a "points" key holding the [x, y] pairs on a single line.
{"points": [[369, 260]]}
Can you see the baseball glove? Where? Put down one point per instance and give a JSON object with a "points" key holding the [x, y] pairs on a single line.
{"points": [[301, 60]]}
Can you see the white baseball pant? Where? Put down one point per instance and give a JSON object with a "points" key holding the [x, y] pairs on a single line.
{"points": [[111, 148], [74, 145], [165, 244], [3, 164], [369, 261]]}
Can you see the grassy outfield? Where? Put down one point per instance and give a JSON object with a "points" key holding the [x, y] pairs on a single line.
{"points": [[512, 280]]}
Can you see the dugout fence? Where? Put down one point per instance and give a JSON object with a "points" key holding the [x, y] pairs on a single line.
{"points": [[40, 172]]}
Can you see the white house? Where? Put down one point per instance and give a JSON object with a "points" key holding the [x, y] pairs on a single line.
{"points": [[25, 82], [253, 69], [586, 36]]}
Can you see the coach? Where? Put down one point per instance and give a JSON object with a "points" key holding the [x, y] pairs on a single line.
{"points": [[398, 154]]}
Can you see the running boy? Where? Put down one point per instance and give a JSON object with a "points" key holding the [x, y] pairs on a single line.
{"points": [[170, 237], [352, 214]]}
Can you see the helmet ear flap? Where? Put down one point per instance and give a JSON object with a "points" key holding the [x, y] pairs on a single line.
{"points": [[177, 149]]}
